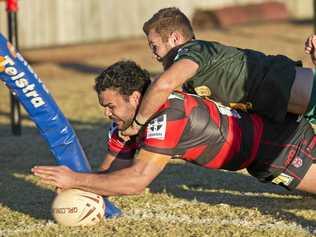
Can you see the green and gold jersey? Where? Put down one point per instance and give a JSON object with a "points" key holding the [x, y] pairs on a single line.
{"points": [[240, 78]]}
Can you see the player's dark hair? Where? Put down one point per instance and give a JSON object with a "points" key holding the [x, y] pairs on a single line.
{"points": [[123, 76], [168, 20]]}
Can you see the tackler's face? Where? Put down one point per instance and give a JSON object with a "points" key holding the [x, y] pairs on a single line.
{"points": [[119, 108], [158, 47]]}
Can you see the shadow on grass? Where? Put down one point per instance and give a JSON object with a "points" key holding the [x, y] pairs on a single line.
{"points": [[25, 197], [190, 182], [19, 154]]}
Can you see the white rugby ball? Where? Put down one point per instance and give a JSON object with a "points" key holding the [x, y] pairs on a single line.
{"points": [[74, 207]]}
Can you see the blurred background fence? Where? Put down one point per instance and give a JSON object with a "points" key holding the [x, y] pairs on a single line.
{"points": [[44, 23]]}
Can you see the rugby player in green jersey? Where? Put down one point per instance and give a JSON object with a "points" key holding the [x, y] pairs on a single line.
{"points": [[270, 85]]}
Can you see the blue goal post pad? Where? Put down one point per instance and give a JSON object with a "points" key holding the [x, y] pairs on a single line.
{"points": [[41, 107], [23, 82]]}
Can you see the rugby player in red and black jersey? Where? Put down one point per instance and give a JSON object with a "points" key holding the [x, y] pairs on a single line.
{"points": [[193, 129]]}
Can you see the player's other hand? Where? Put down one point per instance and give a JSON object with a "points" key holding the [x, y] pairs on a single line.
{"points": [[310, 47]]}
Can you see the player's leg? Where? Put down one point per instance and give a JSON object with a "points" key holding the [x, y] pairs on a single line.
{"points": [[310, 113], [295, 165], [301, 91], [308, 183]]}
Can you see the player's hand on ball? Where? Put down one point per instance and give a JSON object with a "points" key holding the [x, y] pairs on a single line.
{"points": [[59, 176]]}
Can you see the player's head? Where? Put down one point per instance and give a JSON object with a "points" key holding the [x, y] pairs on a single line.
{"points": [[120, 88], [166, 29]]}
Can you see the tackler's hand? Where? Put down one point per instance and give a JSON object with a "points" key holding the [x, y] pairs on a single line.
{"points": [[310, 47], [124, 137], [133, 129]]}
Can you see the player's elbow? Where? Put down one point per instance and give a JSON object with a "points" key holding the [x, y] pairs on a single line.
{"points": [[140, 176], [134, 189], [139, 184], [138, 190]]}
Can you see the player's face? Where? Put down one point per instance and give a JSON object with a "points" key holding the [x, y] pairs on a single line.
{"points": [[117, 108], [158, 47]]}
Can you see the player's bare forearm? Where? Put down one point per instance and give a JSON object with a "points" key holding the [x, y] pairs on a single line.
{"points": [[158, 92], [112, 163], [128, 181], [107, 162], [123, 182], [156, 95], [131, 180]]}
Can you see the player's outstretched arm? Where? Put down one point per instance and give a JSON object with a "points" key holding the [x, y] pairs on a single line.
{"points": [[158, 93], [131, 180]]}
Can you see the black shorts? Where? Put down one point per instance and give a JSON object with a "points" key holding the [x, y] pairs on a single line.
{"points": [[286, 164], [270, 97]]}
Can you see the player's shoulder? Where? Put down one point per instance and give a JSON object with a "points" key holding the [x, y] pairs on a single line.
{"points": [[176, 101], [191, 46], [198, 45], [176, 95], [172, 110], [198, 50]]}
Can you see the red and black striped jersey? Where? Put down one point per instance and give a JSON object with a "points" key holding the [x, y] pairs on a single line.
{"points": [[199, 131]]}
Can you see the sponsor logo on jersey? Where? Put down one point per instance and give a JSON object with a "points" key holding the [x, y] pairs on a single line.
{"points": [[157, 127], [297, 162], [285, 179], [203, 91]]}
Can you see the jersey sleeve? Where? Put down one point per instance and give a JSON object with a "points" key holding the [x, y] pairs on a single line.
{"points": [[118, 147]]}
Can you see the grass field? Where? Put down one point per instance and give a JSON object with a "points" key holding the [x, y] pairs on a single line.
{"points": [[184, 200]]}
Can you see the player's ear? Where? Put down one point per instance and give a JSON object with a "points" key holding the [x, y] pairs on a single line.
{"points": [[134, 98], [175, 38]]}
